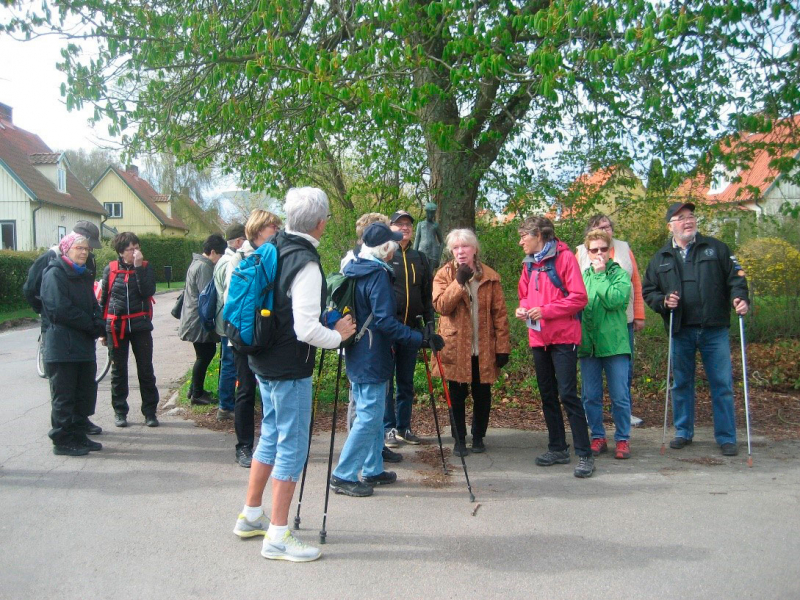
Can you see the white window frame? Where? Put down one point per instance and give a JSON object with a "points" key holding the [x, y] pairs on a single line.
{"points": [[62, 231], [61, 173], [13, 225], [110, 206]]}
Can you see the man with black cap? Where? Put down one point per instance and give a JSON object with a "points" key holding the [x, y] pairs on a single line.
{"points": [[227, 368], [697, 279], [414, 297], [31, 287]]}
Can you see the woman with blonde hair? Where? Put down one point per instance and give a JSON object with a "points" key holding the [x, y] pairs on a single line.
{"points": [[474, 324]]}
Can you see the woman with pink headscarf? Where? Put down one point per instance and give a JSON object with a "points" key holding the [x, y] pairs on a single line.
{"points": [[72, 321]]}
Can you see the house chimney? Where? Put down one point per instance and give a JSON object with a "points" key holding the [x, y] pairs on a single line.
{"points": [[132, 169], [6, 113]]}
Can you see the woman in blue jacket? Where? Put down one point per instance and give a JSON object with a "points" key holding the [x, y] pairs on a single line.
{"points": [[370, 364]]}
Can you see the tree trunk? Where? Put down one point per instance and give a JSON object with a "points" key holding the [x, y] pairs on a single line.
{"points": [[454, 187]]}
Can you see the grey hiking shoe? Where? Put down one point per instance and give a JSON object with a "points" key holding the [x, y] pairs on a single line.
{"points": [[356, 489], [390, 439], [551, 457], [585, 466], [408, 437], [289, 548], [248, 529]]}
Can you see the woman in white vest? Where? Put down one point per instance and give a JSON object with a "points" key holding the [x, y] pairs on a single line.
{"points": [[623, 255]]}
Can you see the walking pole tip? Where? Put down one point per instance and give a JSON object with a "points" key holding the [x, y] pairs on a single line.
{"points": [[663, 449], [322, 535], [750, 461]]}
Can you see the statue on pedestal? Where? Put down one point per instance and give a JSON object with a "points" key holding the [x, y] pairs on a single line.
{"points": [[428, 239]]}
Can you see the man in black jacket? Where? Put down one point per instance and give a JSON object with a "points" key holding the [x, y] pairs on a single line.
{"points": [[697, 279], [413, 295], [128, 287]]}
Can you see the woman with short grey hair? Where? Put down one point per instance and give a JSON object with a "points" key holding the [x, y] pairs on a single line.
{"points": [[305, 207]]}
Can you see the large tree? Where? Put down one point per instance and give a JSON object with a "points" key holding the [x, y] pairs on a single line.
{"points": [[472, 96]]}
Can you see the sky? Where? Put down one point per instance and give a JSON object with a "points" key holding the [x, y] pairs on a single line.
{"points": [[30, 84]]}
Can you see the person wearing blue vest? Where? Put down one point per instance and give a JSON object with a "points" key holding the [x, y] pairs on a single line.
{"points": [[284, 371]]}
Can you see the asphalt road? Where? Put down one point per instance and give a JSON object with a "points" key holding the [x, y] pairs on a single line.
{"points": [[151, 515]]}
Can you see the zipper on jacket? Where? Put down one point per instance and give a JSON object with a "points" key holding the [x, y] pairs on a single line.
{"points": [[405, 270]]}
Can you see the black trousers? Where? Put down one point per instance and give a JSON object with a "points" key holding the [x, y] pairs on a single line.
{"points": [[73, 395], [245, 401], [557, 375], [142, 344], [481, 403], [204, 353]]}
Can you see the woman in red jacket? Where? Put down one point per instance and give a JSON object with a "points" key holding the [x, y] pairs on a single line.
{"points": [[551, 296]]}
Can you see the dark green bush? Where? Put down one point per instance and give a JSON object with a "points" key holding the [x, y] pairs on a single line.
{"points": [[13, 272], [159, 251]]}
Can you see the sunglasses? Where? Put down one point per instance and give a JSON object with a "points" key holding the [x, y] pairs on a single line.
{"points": [[600, 249]]}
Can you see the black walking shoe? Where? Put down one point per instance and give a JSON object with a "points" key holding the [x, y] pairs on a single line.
{"points": [[408, 437], [679, 442], [244, 456], [90, 444], [384, 478], [356, 489], [585, 466], [553, 457], [729, 450], [92, 429], [203, 399], [477, 445], [151, 421], [120, 420], [391, 457], [70, 449], [460, 449]]}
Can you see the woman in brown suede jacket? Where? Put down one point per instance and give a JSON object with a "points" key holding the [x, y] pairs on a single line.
{"points": [[474, 324]]}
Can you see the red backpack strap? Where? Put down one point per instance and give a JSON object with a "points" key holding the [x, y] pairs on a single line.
{"points": [[113, 269]]}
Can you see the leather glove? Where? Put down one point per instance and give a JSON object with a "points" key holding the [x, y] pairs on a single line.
{"points": [[463, 274], [501, 360], [432, 340]]}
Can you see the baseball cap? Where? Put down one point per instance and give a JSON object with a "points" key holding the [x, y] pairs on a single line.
{"points": [[676, 207], [234, 231], [90, 231], [378, 234], [399, 215]]}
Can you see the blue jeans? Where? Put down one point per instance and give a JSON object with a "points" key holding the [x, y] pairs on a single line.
{"points": [[616, 368], [284, 429], [362, 450], [398, 410], [715, 351], [227, 376], [630, 365]]}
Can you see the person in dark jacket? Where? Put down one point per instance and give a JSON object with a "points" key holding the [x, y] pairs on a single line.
{"points": [[697, 279], [33, 284], [191, 329], [370, 364], [73, 322], [413, 295], [284, 371], [129, 284]]}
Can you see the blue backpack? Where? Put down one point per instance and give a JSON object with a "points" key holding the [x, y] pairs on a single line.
{"points": [[248, 308], [207, 306], [549, 268]]}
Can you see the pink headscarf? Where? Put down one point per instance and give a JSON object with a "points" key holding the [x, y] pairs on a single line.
{"points": [[69, 240]]}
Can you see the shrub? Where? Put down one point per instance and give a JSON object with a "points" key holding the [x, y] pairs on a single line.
{"points": [[772, 266], [13, 272]]}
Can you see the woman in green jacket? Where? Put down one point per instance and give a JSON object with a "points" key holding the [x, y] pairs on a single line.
{"points": [[605, 344]]}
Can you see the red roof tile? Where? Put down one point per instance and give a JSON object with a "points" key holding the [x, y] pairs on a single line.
{"points": [[45, 158], [759, 174], [149, 197], [18, 150]]}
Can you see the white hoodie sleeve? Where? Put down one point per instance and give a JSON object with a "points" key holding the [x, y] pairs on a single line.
{"points": [[305, 295]]}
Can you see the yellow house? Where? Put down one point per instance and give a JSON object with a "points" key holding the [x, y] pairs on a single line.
{"points": [[133, 205]]}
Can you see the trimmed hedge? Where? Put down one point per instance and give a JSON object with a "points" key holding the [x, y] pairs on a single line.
{"points": [[159, 251]]}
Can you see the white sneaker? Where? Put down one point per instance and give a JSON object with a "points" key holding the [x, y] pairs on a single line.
{"points": [[636, 421], [289, 548], [248, 529], [390, 439]]}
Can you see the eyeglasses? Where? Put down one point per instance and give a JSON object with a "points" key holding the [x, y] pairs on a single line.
{"points": [[81, 248], [684, 219], [134, 249], [403, 225], [600, 249]]}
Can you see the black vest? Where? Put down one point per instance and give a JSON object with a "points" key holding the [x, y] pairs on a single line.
{"points": [[287, 357]]}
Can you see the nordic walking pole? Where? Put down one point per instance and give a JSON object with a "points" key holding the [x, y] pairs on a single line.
{"points": [[746, 391], [669, 371], [323, 533], [452, 419], [433, 407], [310, 433]]}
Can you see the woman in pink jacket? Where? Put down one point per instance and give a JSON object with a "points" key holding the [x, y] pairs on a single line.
{"points": [[551, 296]]}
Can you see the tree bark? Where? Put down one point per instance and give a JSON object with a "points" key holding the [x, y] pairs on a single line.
{"points": [[454, 187]]}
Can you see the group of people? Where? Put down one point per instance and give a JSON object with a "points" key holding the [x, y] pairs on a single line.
{"points": [[580, 307]]}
